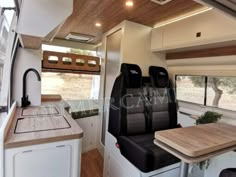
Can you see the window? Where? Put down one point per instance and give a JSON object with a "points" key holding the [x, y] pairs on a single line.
{"points": [[71, 86], [53, 59], [212, 91], [190, 88], [8, 13], [221, 92]]}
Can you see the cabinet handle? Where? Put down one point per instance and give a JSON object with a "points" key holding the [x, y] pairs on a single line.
{"points": [[60, 146], [27, 151]]}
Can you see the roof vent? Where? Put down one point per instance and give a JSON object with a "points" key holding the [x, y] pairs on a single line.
{"points": [[79, 37], [161, 2]]}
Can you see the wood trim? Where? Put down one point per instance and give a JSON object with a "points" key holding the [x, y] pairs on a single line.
{"points": [[46, 98], [11, 114], [112, 12], [31, 42], [199, 140], [69, 71], [73, 65], [220, 51], [192, 160]]}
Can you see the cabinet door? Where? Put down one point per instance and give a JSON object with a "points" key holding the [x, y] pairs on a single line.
{"points": [[208, 28], [53, 162], [115, 169], [157, 38], [90, 128]]}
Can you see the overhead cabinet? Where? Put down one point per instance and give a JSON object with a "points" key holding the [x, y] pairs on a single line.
{"points": [[209, 29]]}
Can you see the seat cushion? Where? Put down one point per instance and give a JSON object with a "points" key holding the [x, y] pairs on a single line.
{"points": [[143, 153]]}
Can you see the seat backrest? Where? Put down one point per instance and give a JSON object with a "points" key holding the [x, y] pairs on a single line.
{"points": [[163, 111], [127, 105]]}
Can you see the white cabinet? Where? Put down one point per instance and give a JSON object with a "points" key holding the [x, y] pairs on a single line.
{"points": [[59, 159], [219, 163], [210, 28], [170, 173], [90, 128], [43, 162]]}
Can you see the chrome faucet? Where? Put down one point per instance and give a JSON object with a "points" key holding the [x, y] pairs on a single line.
{"points": [[24, 100]]}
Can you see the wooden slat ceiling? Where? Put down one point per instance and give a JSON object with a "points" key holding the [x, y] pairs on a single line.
{"points": [[111, 12]]}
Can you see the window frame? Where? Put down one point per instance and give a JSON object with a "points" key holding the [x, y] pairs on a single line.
{"points": [[205, 91]]}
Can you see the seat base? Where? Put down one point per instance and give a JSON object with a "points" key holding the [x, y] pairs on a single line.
{"points": [[144, 154]]}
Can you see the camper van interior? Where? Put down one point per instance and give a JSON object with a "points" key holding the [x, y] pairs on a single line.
{"points": [[117, 88]]}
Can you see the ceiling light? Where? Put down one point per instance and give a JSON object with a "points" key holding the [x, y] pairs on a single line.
{"points": [[129, 3], [98, 24], [191, 14], [161, 2]]}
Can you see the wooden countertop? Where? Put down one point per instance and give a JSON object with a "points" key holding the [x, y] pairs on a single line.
{"points": [[198, 140], [38, 125]]}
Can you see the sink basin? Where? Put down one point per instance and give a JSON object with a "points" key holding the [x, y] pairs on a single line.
{"points": [[40, 111]]}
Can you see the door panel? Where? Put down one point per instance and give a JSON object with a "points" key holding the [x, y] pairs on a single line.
{"points": [[112, 70]]}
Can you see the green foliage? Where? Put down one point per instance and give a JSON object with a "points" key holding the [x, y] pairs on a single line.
{"points": [[209, 117]]}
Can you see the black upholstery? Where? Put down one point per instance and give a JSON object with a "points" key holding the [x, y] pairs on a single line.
{"points": [[159, 76], [127, 112], [136, 111], [163, 99], [231, 172], [143, 153]]}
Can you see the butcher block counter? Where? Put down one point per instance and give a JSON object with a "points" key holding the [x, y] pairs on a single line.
{"points": [[44, 124]]}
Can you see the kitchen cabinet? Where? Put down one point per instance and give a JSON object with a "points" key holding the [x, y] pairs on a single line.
{"points": [[59, 159], [91, 133], [209, 29]]}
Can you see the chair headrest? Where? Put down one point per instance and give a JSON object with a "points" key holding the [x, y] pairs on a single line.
{"points": [[159, 76], [132, 74]]}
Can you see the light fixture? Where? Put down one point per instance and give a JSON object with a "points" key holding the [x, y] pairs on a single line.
{"points": [[191, 14], [98, 24], [129, 3], [79, 37]]}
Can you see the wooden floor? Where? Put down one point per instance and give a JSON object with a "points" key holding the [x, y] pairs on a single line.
{"points": [[92, 164]]}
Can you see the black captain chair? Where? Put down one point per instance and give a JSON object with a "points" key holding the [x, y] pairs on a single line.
{"points": [[134, 118]]}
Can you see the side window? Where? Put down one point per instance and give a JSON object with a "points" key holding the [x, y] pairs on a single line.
{"points": [[221, 92], [190, 89], [213, 91], [7, 42], [71, 86]]}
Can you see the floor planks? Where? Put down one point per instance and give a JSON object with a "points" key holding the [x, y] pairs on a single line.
{"points": [[92, 164]]}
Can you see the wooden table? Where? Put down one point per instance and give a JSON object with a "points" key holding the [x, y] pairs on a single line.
{"points": [[197, 143]]}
